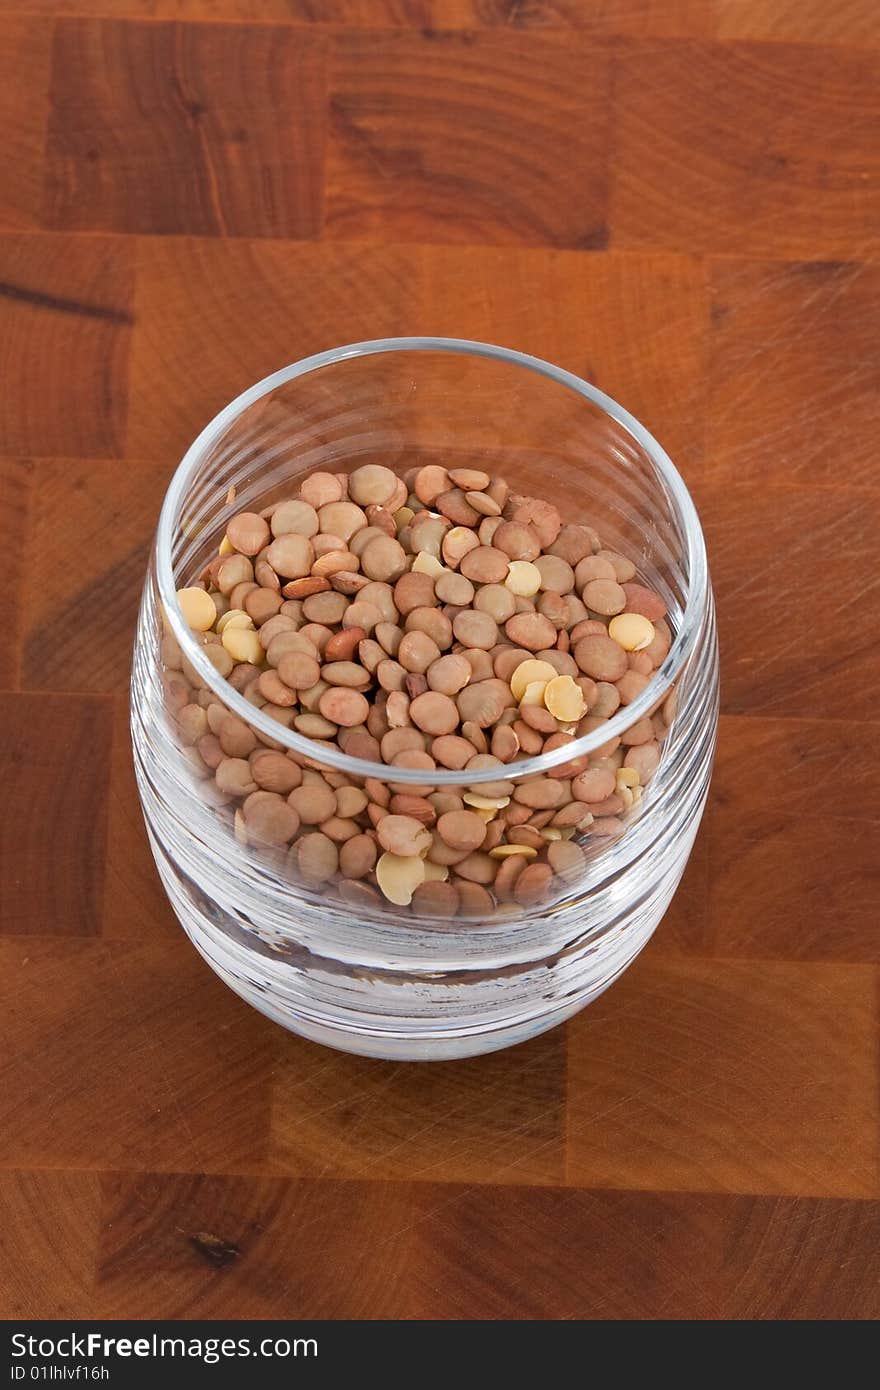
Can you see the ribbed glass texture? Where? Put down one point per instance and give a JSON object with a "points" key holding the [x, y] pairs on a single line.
{"points": [[386, 982]]}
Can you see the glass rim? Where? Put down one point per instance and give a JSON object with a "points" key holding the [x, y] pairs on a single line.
{"points": [[662, 679]]}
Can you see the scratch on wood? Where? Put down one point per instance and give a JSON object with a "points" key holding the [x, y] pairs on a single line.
{"points": [[214, 1249]]}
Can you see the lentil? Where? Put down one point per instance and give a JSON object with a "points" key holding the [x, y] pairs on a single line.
{"points": [[399, 877], [198, 609], [434, 622], [633, 631]]}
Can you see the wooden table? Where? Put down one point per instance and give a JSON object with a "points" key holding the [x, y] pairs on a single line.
{"points": [[678, 199]]}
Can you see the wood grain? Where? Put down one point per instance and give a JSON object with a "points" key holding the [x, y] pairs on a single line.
{"points": [[65, 311], [15, 486], [568, 308], [95, 518], [571, 1254], [794, 380], [393, 172], [787, 858], [764, 542], [800, 21], [25, 51], [51, 1225], [735, 1076], [197, 128], [677, 200], [224, 313], [769, 145], [55, 753], [792, 815], [311, 1249], [633, 17], [81, 1021], [491, 1120], [798, 765], [294, 1248], [811, 21]]}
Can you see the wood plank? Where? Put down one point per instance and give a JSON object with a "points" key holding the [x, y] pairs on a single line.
{"points": [[495, 1119], [763, 546], [153, 128], [790, 845], [96, 519], [634, 17], [818, 769], [726, 1075], [25, 50], [55, 752], [569, 309], [50, 1224], [393, 173], [15, 494], [773, 891], [65, 324], [194, 1246], [766, 146], [546, 1253], [675, 199], [141, 1033], [219, 315], [804, 21], [398, 1250], [794, 376]]}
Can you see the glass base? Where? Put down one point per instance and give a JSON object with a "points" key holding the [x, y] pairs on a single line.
{"points": [[405, 1017]]}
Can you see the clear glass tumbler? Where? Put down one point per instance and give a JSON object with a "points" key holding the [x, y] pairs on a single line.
{"points": [[370, 977]]}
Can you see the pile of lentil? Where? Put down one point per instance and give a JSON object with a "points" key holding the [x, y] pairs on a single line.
{"points": [[434, 620]]}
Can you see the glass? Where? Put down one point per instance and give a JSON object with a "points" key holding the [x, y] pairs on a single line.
{"points": [[370, 977]]}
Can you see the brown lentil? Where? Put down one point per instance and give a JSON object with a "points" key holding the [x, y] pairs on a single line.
{"points": [[530, 630], [557, 576], [344, 706], [417, 651], [233, 775], [435, 898], [461, 830], [275, 690], [604, 596], [473, 900], [248, 533], [274, 772], [297, 669], [532, 884], [573, 543], [294, 518], [485, 565], [518, 542], [358, 616], [600, 657], [271, 820], [314, 802], [317, 858], [403, 835], [434, 713], [319, 489], [496, 600], [449, 674], [477, 867], [430, 482], [401, 740]]}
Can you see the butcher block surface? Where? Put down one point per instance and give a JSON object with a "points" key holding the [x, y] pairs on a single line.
{"points": [[680, 201]]}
